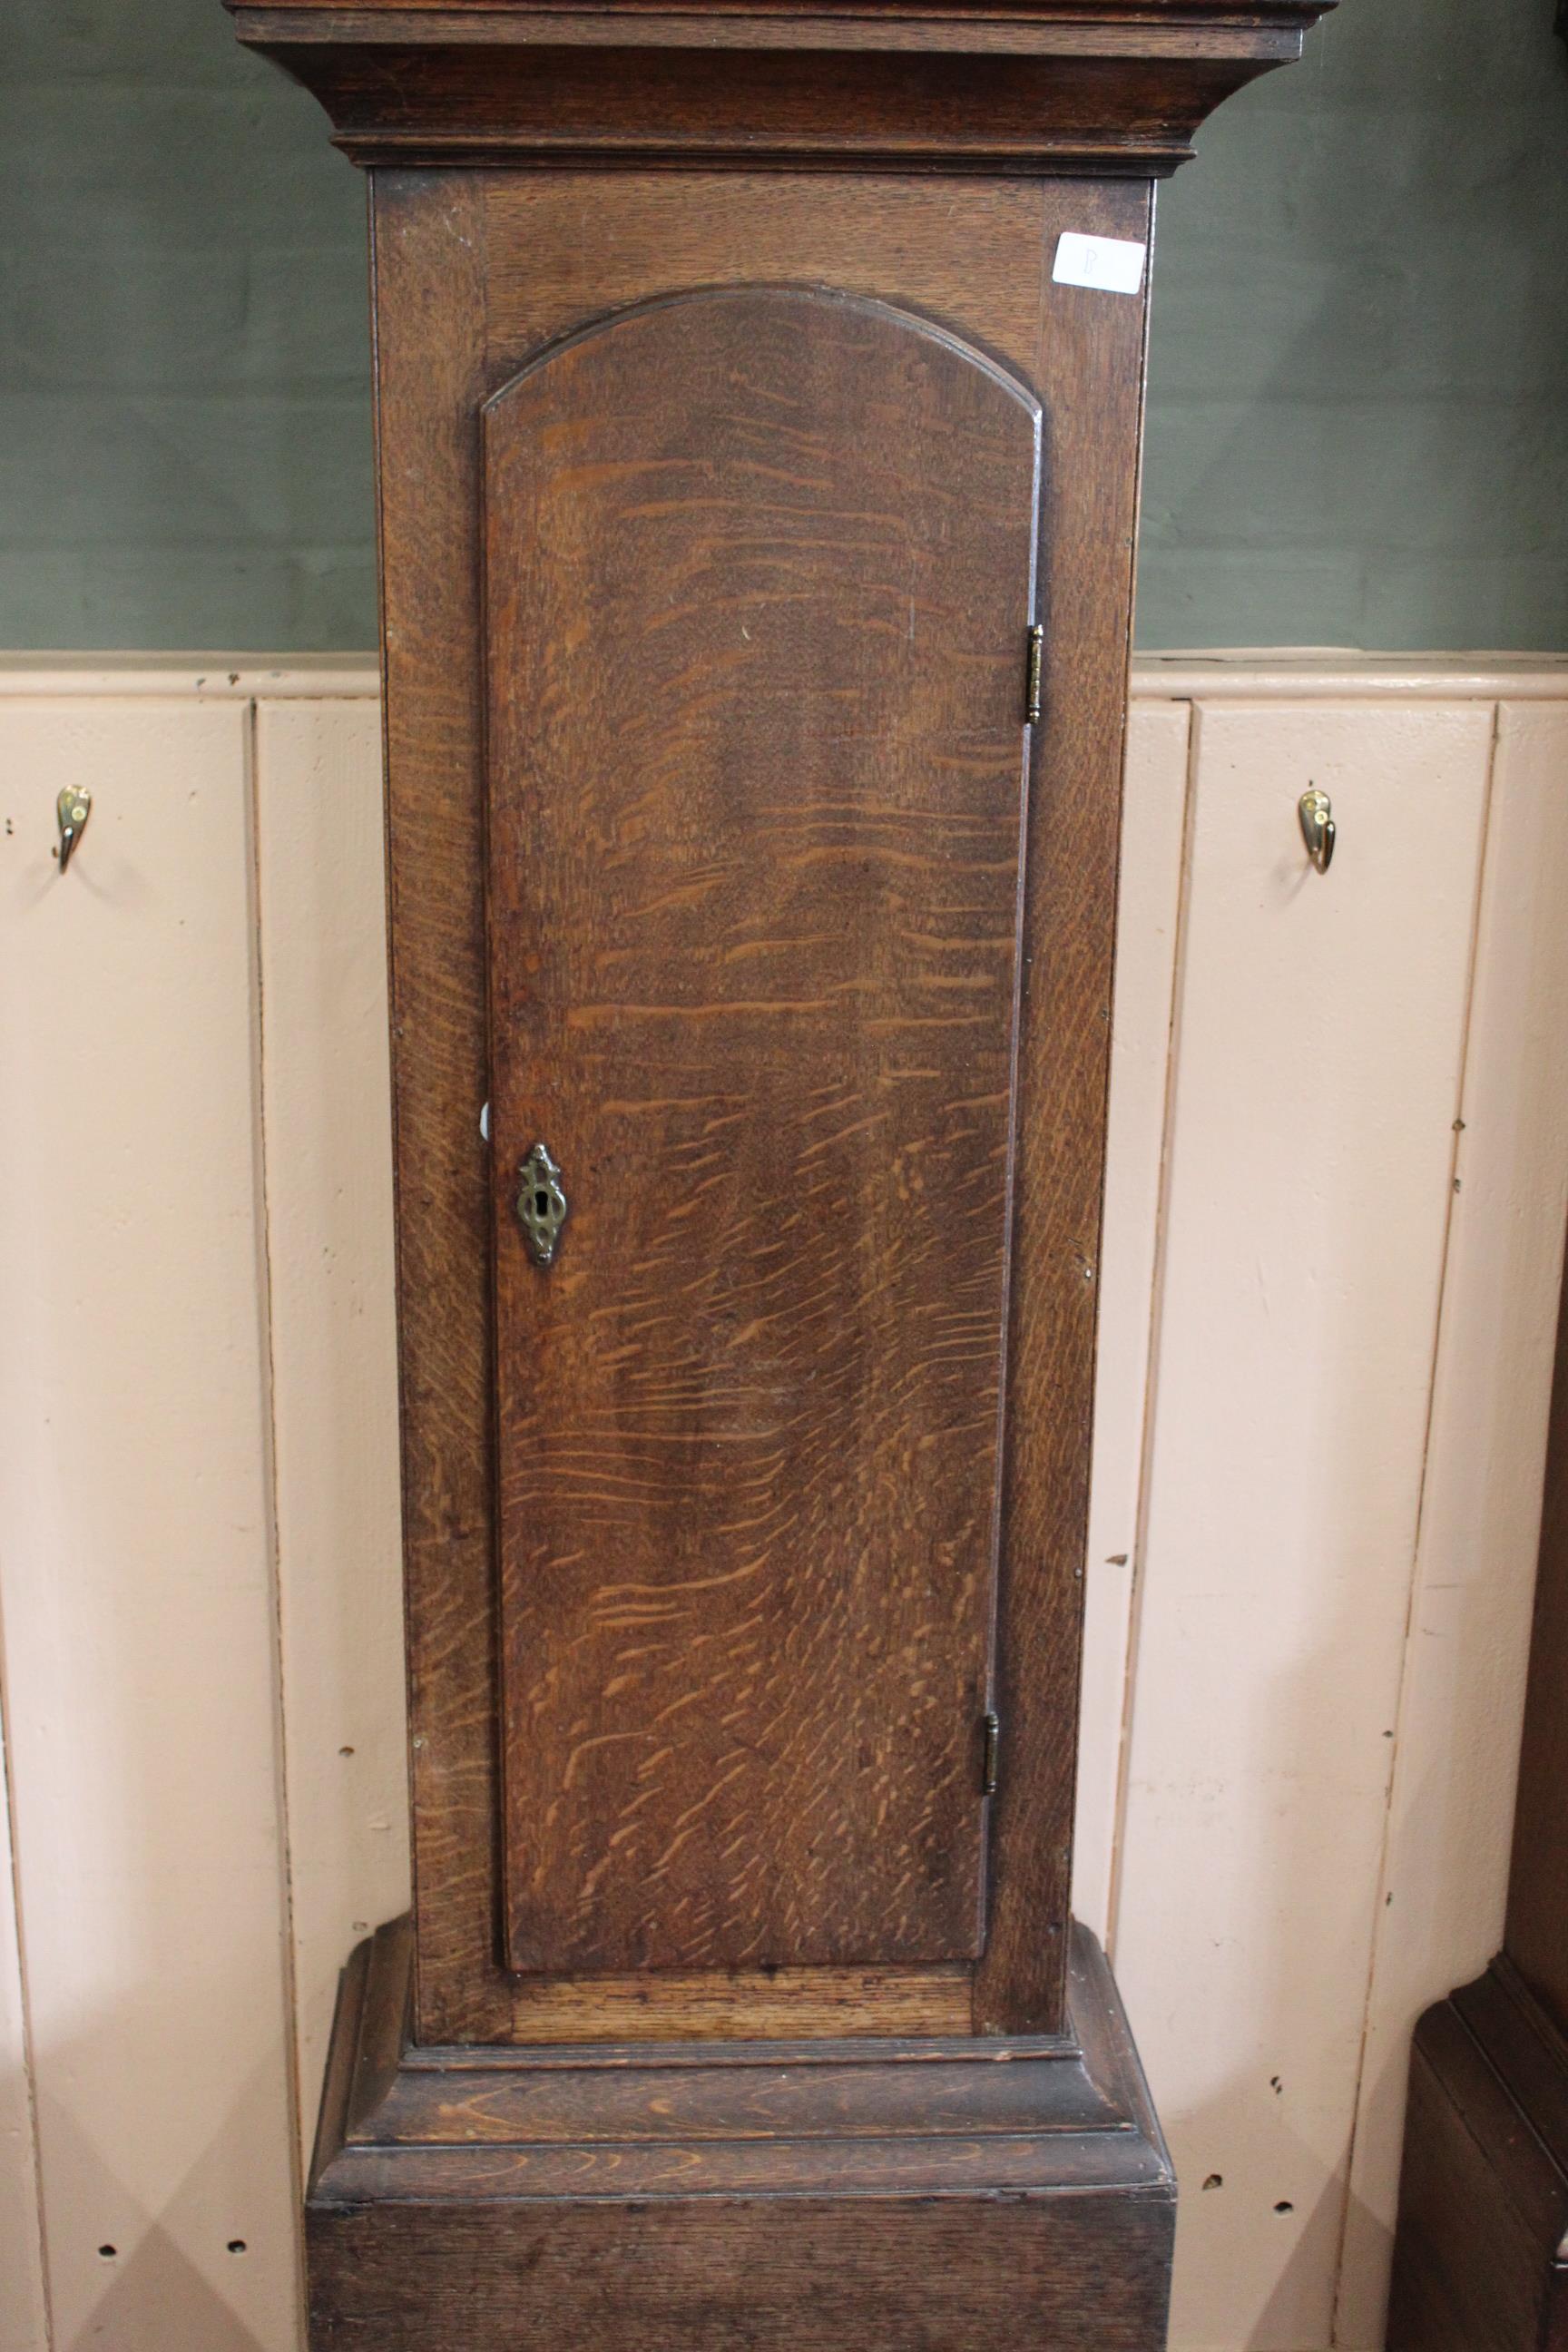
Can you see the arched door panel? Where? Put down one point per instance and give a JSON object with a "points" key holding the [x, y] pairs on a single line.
{"points": [[759, 572]]}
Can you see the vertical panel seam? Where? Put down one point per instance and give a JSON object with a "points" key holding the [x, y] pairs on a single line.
{"points": [[1155, 1329], [289, 1988]]}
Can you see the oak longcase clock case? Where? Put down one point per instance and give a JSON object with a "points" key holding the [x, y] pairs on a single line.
{"points": [[757, 519]]}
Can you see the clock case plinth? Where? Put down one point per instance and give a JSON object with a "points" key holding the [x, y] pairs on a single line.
{"points": [[793, 2197], [936, 2149]]}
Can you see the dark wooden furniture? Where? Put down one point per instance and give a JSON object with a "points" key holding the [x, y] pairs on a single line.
{"points": [[1482, 2251], [757, 516]]}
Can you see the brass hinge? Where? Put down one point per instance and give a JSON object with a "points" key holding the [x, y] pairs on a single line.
{"points": [[990, 1754], [1035, 680]]}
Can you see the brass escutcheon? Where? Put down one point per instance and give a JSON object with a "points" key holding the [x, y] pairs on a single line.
{"points": [[541, 1204]]}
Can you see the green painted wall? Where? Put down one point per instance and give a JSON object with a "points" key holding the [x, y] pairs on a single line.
{"points": [[1359, 402]]}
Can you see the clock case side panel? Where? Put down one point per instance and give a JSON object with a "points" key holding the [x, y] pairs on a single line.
{"points": [[475, 274]]}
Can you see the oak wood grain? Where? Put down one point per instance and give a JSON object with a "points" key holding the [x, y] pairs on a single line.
{"points": [[816, 1503], [902, 2196], [1090, 365], [775, 2093], [551, 252], [644, 2005], [429, 279], [1079, 2270], [962, 256], [391, 2099], [1027, 33], [1189, 18], [1093, 89], [760, 571]]}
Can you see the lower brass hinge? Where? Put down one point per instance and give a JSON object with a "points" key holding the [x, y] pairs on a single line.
{"points": [[990, 1754], [1034, 675]]}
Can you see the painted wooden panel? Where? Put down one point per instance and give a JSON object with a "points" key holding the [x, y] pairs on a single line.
{"points": [[1320, 1028], [135, 1536], [326, 1125], [23, 2325], [1273, 1618], [1147, 923], [1451, 1818]]}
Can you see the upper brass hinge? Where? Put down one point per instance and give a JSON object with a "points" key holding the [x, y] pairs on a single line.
{"points": [[990, 1754], [1034, 675]]}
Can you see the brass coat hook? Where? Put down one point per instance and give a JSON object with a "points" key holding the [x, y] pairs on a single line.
{"points": [[1316, 811], [73, 810]]}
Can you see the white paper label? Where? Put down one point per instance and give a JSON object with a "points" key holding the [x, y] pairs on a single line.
{"points": [[1113, 263]]}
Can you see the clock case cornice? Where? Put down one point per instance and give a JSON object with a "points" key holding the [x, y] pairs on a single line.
{"points": [[1118, 89]]}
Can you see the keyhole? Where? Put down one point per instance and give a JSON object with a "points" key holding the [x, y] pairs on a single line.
{"points": [[541, 1204]]}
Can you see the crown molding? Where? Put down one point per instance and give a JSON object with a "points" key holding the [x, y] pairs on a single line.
{"points": [[1118, 88]]}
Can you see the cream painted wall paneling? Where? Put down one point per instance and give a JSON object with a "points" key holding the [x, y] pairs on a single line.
{"points": [[1148, 915], [1451, 1819], [321, 1269], [1321, 1029], [136, 1534], [326, 1127]]}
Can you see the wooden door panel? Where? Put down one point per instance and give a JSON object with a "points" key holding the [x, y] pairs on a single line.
{"points": [[759, 565]]}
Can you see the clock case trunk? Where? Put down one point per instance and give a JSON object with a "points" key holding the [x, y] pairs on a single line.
{"points": [[478, 275], [555, 2111]]}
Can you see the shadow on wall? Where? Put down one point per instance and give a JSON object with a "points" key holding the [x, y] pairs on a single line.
{"points": [[131, 2281]]}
